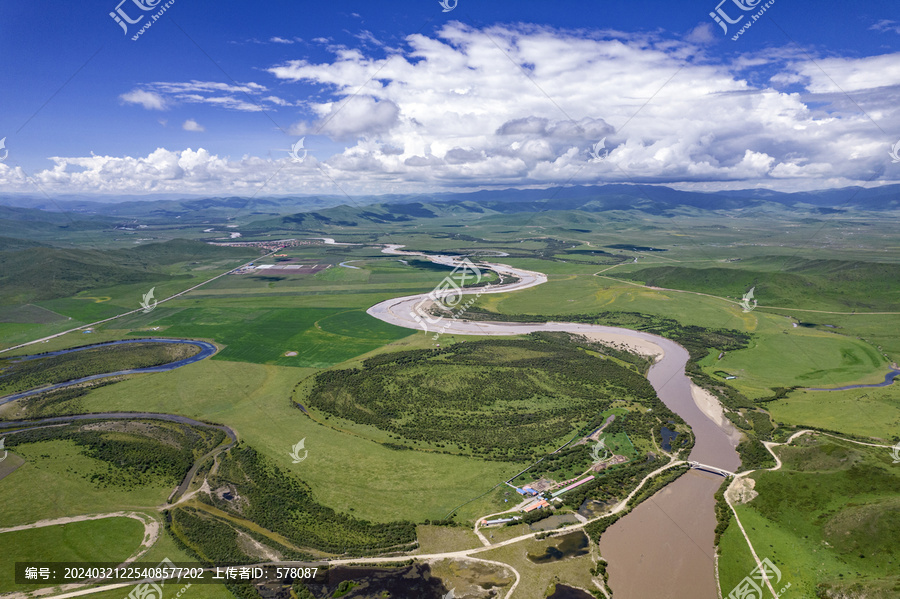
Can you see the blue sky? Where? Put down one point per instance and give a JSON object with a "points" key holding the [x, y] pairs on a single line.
{"points": [[400, 96]]}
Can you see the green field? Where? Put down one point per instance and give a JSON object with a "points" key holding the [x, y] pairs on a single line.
{"points": [[254, 400], [62, 467], [321, 317], [55, 290], [320, 337], [735, 559], [106, 540]]}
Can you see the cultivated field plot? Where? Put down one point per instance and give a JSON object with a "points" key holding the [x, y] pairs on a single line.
{"points": [[315, 337], [291, 268], [311, 319]]}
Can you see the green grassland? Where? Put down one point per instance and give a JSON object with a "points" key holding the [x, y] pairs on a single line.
{"points": [[778, 355], [107, 540], [320, 337], [55, 482], [275, 499], [867, 412], [322, 318], [838, 285], [828, 518], [735, 560], [254, 400], [98, 467], [166, 548], [258, 319], [48, 273]]}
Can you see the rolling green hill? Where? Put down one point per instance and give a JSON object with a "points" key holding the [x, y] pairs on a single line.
{"points": [[11, 244], [43, 273], [787, 282], [28, 223]]}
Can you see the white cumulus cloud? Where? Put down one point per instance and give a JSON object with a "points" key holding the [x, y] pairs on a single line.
{"points": [[192, 125], [523, 105], [148, 99]]}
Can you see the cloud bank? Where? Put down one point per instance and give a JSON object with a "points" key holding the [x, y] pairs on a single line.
{"points": [[524, 106]]}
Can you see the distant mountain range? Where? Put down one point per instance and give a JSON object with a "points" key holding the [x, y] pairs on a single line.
{"points": [[38, 218], [649, 199], [594, 198]]}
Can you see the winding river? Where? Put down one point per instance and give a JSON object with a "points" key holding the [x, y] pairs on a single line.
{"points": [[664, 548], [206, 350], [888, 379]]}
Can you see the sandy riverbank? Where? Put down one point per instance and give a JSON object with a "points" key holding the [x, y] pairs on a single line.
{"points": [[628, 343], [709, 404]]}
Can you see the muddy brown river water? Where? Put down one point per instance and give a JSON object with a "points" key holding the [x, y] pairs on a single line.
{"points": [[664, 548]]}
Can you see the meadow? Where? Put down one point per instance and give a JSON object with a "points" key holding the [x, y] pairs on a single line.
{"points": [[100, 287], [859, 350], [107, 540], [295, 320], [62, 467]]}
